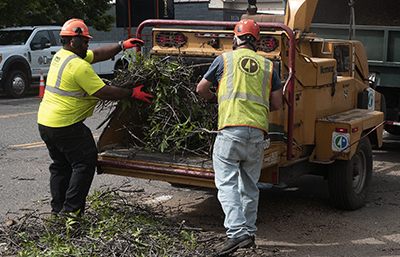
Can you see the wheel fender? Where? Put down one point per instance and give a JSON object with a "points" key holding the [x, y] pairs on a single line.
{"points": [[17, 63], [337, 136], [121, 62]]}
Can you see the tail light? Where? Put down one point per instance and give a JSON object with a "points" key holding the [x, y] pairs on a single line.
{"points": [[163, 39], [268, 44], [179, 40], [169, 39], [341, 130]]}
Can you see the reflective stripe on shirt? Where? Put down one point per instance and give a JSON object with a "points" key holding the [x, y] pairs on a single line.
{"points": [[56, 89]]}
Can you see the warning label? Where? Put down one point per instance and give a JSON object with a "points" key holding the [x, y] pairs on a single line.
{"points": [[271, 159]]}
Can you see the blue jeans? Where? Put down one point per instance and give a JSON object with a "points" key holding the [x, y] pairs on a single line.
{"points": [[74, 154], [237, 160]]}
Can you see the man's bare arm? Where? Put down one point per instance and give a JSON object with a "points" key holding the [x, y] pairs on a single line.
{"points": [[103, 53], [113, 93], [203, 89], [276, 100]]}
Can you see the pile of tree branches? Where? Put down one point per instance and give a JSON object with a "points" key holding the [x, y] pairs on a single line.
{"points": [[178, 120], [111, 226]]}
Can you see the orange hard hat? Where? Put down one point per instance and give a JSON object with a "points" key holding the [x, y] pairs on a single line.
{"points": [[75, 27], [247, 26]]}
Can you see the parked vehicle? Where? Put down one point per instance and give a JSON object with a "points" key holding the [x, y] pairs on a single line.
{"points": [[331, 115], [26, 52]]}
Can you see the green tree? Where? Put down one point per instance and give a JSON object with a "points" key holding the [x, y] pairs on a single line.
{"points": [[56, 12]]}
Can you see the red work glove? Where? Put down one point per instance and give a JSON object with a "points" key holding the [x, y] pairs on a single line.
{"points": [[139, 94], [132, 42]]}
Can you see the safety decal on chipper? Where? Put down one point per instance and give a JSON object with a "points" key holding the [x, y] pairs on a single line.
{"points": [[270, 159], [340, 142], [371, 99], [266, 143]]}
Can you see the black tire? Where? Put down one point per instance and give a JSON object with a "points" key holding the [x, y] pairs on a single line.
{"points": [[349, 181], [16, 84], [121, 65], [392, 129]]}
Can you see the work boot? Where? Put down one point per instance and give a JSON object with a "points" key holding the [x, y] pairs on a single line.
{"points": [[232, 244]]}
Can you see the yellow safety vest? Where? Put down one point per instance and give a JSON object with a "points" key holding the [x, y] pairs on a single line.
{"points": [[70, 83], [244, 90]]}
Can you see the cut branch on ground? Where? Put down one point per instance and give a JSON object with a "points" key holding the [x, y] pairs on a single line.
{"points": [[111, 226]]}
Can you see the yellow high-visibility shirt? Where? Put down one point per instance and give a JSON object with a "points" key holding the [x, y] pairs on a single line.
{"points": [[68, 99]]}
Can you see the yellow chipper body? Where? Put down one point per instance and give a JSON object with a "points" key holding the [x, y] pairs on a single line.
{"points": [[330, 120]]}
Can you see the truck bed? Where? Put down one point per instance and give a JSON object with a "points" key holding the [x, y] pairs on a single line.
{"points": [[191, 169], [188, 160]]}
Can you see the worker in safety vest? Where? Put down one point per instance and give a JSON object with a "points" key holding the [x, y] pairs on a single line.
{"points": [[72, 91], [248, 89]]}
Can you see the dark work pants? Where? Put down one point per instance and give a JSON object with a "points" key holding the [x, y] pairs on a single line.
{"points": [[74, 154]]}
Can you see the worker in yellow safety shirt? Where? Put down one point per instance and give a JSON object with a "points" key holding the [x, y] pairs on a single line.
{"points": [[72, 91], [248, 89]]}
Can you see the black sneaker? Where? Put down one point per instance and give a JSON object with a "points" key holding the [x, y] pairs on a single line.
{"points": [[232, 244], [253, 238]]}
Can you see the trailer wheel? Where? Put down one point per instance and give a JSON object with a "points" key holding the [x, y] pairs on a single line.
{"points": [[16, 84], [349, 181]]}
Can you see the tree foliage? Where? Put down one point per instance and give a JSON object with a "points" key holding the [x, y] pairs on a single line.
{"points": [[178, 120], [56, 12]]}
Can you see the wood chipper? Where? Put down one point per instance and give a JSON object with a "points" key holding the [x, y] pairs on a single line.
{"points": [[330, 120]]}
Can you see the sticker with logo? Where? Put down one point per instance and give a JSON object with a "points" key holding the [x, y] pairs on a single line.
{"points": [[249, 65], [371, 99], [44, 60], [340, 141], [327, 69]]}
